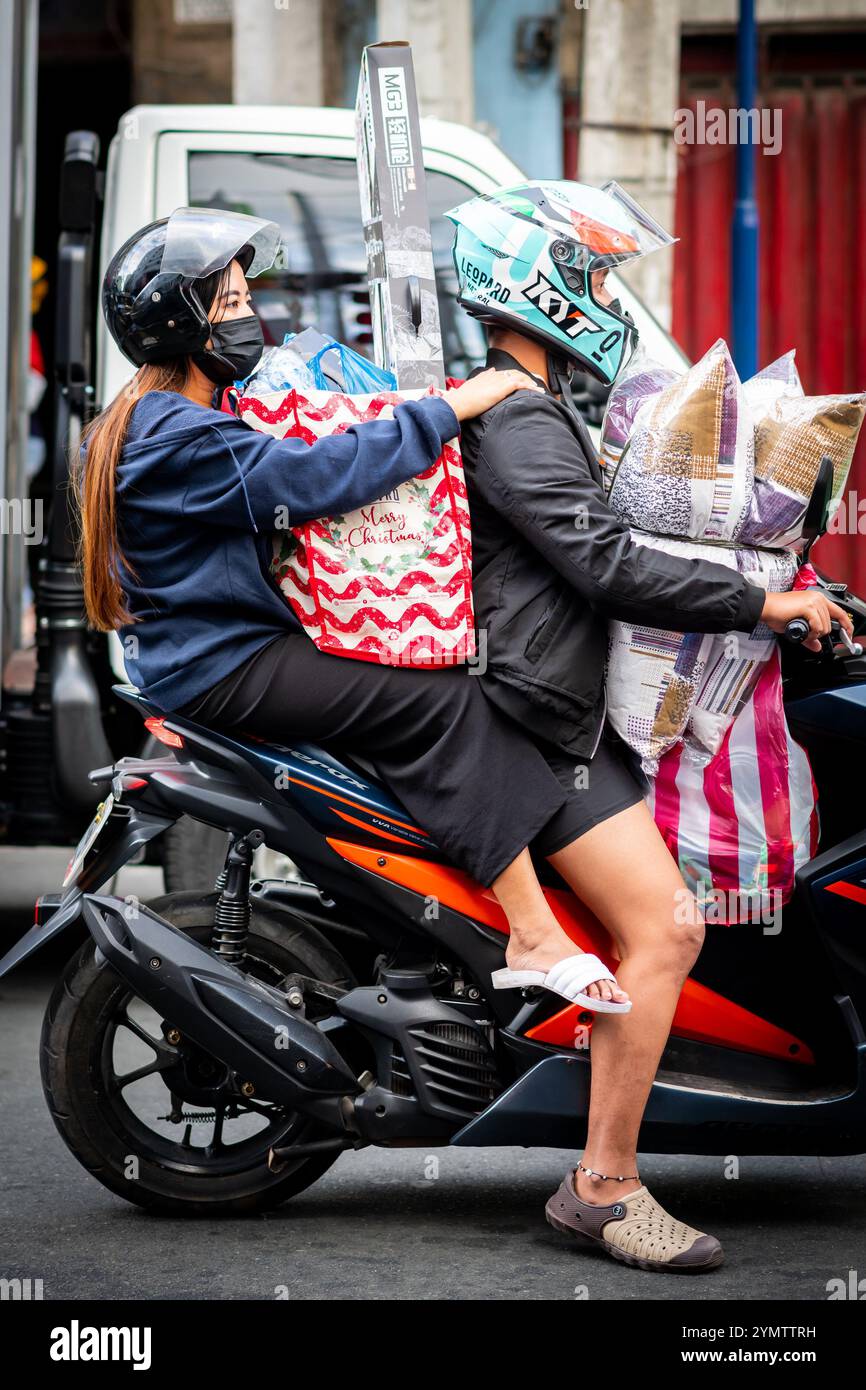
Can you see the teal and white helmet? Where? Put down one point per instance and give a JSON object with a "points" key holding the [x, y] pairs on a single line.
{"points": [[524, 257]]}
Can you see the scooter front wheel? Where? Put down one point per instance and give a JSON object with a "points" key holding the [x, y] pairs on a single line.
{"points": [[152, 1116]]}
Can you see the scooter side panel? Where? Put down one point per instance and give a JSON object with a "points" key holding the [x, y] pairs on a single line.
{"points": [[834, 886], [548, 1105], [702, 1015]]}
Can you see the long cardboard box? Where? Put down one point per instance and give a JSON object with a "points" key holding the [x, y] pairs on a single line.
{"points": [[407, 338]]}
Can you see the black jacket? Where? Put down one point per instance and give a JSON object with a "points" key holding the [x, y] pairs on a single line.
{"points": [[552, 563]]}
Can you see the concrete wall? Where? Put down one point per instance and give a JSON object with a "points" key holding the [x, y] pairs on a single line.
{"points": [[521, 111], [284, 52], [441, 37], [177, 61], [630, 90]]}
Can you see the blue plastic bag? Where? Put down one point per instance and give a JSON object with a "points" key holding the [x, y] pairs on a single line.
{"points": [[312, 361], [335, 362]]}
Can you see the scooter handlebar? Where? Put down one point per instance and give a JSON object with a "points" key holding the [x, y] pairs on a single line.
{"points": [[797, 630]]}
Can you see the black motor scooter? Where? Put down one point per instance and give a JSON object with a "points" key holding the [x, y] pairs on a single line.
{"points": [[234, 1043]]}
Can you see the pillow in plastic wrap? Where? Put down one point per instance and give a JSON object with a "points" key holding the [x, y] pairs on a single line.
{"points": [[688, 465], [711, 459], [780, 378], [734, 660], [793, 432], [642, 379], [664, 687]]}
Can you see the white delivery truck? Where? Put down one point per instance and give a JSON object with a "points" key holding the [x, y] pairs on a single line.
{"points": [[296, 166]]}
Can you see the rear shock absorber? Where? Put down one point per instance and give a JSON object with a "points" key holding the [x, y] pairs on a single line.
{"points": [[231, 919]]}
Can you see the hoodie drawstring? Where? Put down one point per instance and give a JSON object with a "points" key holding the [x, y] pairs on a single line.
{"points": [[240, 474]]}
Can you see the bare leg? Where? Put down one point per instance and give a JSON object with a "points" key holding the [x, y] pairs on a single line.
{"points": [[624, 872], [536, 940]]}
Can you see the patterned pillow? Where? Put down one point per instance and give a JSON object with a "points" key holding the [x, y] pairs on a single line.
{"points": [[642, 379], [697, 458], [792, 435], [735, 660], [780, 378], [664, 686], [688, 465]]}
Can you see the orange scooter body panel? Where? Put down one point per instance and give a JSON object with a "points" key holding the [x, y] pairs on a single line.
{"points": [[701, 1015]]}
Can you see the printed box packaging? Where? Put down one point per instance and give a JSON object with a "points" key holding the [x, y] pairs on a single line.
{"points": [[407, 337]]}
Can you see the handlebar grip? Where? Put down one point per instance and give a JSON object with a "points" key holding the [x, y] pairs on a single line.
{"points": [[797, 630]]}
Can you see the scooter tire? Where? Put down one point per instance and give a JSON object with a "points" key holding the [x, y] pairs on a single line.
{"points": [[80, 1010]]}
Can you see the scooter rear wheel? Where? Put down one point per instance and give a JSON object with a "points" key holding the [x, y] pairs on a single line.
{"points": [[118, 1112]]}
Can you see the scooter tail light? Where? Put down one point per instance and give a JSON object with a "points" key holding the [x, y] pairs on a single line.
{"points": [[44, 907], [167, 736]]}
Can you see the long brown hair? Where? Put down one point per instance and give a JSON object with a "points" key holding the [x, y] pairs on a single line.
{"points": [[94, 495], [94, 478]]}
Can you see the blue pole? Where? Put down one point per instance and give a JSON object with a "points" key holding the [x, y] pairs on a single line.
{"points": [[744, 227]]}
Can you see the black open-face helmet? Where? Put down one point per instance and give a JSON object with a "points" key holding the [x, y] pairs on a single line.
{"points": [[155, 292]]}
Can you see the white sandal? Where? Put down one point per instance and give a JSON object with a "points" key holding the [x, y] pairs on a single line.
{"points": [[568, 977]]}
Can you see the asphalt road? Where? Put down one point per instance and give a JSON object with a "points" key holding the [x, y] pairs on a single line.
{"points": [[377, 1226]]}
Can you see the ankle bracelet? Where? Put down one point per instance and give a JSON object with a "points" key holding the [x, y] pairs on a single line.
{"points": [[622, 1177]]}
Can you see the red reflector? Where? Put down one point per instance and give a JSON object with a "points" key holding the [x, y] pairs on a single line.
{"points": [[852, 891], [166, 736], [131, 783]]}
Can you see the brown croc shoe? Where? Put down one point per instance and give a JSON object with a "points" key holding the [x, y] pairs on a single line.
{"points": [[634, 1229]]}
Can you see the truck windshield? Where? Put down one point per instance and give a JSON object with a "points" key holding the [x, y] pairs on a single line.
{"points": [[315, 201]]}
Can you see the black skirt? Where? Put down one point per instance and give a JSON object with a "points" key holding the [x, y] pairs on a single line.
{"points": [[480, 786]]}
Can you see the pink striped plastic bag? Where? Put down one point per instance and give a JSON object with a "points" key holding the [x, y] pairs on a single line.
{"points": [[741, 825], [390, 582]]}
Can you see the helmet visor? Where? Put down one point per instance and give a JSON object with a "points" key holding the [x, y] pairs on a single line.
{"points": [[640, 233], [199, 241]]}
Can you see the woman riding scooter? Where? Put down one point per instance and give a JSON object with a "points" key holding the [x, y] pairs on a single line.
{"points": [[551, 564], [178, 501]]}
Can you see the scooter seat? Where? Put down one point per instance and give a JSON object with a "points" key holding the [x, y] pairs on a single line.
{"points": [[133, 695], [333, 765]]}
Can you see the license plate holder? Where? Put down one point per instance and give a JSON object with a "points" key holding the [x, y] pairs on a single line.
{"points": [[88, 839]]}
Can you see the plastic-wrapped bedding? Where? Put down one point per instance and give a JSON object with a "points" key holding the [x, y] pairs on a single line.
{"points": [[703, 465], [641, 380], [688, 465], [741, 826], [791, 440], [664, 687]]}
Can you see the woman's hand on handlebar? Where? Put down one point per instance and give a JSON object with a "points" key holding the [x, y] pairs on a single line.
{"points": [[487, 389], [811, 604]]}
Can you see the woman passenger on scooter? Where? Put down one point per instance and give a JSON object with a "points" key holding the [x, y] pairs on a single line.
{"points": [[178, 501], [551, 564]]}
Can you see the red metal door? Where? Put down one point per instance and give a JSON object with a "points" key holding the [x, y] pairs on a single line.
{"points": [[812, 202]]}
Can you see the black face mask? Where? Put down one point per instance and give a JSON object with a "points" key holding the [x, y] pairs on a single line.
{"points": [[616, 308], [237, 346]]}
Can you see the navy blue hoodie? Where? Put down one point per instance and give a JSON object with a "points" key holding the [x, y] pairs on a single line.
{"points": [[197, 497]]}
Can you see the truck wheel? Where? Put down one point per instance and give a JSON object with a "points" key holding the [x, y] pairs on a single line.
{"points": [[153, 1117]]}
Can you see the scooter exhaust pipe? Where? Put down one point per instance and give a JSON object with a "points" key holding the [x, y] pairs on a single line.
{"points": [[242, 1022]]}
